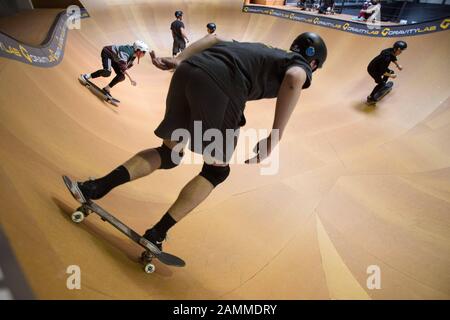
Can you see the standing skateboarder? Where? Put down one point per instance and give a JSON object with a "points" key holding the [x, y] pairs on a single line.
{"points": [[120, 58], [213, 80], [379, 70], [178, 34]]}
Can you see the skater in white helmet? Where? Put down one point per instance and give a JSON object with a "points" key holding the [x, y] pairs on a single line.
{"points": [[120, 58]]}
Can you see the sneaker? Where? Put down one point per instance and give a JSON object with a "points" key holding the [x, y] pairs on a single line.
{"points": [[152, 236], [107, 93], [370, 100], [88, 190], [83, 78]]}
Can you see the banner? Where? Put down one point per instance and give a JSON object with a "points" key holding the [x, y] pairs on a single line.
{"points": [[51, 52], [364, 29]]}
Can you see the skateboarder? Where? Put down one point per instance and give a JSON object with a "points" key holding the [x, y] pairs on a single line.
{"points": [[120, 58], [214, 78], [379, 70], [178, 34], [211, 28]]}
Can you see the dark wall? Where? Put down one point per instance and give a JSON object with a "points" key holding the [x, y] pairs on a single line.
{"points": [[424, 12], [394, 10], [7, 9], [55, 4], [10, 7]]}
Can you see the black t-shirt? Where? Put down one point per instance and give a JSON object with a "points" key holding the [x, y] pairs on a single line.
{"points": [[176, 29], [380, 64], [248, 71]]}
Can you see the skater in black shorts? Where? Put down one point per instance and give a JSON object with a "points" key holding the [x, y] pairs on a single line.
{"points": [[178, 34], [213, 80], [379, 70]]}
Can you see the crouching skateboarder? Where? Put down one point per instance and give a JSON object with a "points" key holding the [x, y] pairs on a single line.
{"points": [[214, 78], [119, 58], [379, 70]]}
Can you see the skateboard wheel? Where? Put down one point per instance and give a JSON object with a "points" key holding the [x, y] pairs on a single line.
{"points": [[103, 219], [146, 256], [77, 216], [84, 210], [149, 268]]}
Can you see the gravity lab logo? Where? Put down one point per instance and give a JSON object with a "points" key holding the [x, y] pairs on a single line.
{"points": [[445, 24], [385, 32]]}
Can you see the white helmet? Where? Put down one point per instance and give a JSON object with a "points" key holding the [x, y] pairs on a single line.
{"points": [[140, 45]]}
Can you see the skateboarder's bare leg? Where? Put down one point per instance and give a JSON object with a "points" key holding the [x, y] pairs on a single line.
{"points": [[192, 195], [140, 165], [198, 189], [147, 161]]}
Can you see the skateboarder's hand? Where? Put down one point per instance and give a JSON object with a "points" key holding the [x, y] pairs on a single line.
{"points": [[400, 67], [133, 83], [163, 63], [262, 149]]}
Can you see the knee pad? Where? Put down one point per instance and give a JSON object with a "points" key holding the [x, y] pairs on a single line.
{"points": [[215, 174], [165, 154], [106, 73]]}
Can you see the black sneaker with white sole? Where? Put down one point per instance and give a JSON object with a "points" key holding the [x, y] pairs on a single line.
{"points": [[153, 236]]}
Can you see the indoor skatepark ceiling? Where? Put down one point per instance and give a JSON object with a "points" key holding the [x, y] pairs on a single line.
{"points": [[357, 186]]}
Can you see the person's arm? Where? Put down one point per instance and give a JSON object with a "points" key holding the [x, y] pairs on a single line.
{"points": [[204, 43], [288, 96], [133, 83], [370, 9], [398, 66], [184, 34]]}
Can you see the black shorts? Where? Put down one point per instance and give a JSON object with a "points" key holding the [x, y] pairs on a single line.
{"points": [[194, 98], [108, 62], [379, 78], [178, 46]]}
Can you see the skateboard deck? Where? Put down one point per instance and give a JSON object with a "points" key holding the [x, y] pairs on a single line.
{"points": [[151, 251], [380, 94], [98, 92]]}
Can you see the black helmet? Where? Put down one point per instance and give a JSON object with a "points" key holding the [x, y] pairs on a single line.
{"points": [[211, 26], [311, 46], [400, 45], [178, 13]]}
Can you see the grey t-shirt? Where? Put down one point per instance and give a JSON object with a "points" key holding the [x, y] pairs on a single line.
{"points": [[248, 71]]}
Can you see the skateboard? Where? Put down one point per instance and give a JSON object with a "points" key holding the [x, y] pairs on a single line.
{"points": [[151, 251], [380, 94], [99, 92]]}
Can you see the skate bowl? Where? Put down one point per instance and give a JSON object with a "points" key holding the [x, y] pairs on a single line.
{"points": [[361, 197]]}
